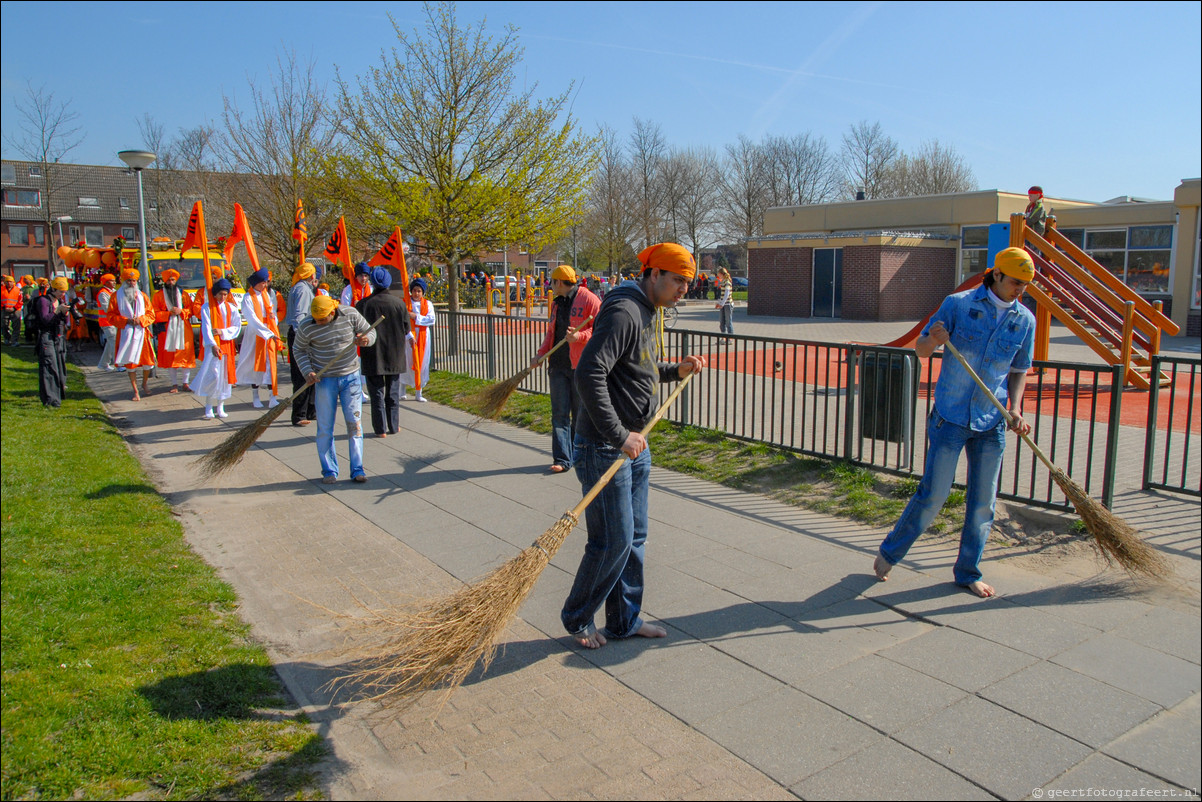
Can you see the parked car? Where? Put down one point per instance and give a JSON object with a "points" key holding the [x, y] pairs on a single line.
{"points": [[739, 282]]}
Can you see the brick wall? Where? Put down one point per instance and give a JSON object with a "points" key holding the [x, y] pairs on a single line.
{"points": [[861, 282], [913, 281], [779, 280]]}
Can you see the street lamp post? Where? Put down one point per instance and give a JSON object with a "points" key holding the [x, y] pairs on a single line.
{"points": [[66, 218], [139, 160]]}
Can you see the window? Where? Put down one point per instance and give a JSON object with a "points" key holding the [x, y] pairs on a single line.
{"points": [[39, 237], [18, 235], [35, 171], [1197, 302], [974, 251], [29, 198], [91, 203], [1139, 255], [124, 202], [73, 234], [8, 173], [127, 233], [93, 236]]}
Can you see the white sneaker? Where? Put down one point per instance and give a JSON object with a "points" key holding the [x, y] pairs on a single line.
{"points": [[209, 414], [274, 402], [221, 413], [421, 398], [404, 396], [257, 404]]}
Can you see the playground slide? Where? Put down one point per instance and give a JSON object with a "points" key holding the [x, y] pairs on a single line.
{"points": [[908, 339]]}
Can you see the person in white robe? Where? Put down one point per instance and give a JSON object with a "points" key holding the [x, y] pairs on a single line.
{"points": [[257, 358], [421, 339], [217, 375]]}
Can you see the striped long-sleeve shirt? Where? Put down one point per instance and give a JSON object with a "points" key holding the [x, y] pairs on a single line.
{"points": [[316, 346]]}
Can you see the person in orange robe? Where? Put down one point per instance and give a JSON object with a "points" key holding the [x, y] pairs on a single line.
{"points": [[173, 312], [130, 312]]}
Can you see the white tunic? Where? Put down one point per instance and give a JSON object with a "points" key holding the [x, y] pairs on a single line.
{"points": [[421, 322], [256, 329], [212, 380]]}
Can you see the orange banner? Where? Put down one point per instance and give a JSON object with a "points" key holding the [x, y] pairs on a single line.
{"points": [[339, 252]]}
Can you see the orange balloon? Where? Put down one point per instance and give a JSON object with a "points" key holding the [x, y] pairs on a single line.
{"points": [[91, 259], [108, 258], [62, 252]]}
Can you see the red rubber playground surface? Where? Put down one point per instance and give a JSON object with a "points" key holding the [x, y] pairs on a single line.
{"points": [[822, 366]]}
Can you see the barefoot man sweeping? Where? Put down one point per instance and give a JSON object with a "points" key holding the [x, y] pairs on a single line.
{"points": [[996, 334], [617, 379]]}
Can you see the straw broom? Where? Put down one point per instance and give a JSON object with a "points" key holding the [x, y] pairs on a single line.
{"points": [[231, 450], [441, 640], [1114, 537], [490, 401]]}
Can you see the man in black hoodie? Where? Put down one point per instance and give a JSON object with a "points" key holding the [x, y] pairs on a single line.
{"points": [[617, 380]]}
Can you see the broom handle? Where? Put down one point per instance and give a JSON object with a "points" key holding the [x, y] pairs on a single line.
{"points": [[1005, 412], [330, 364], [555, 347], [609, 473]]}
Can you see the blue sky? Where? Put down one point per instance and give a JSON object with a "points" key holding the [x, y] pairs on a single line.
{"points": [[1091, 100]]}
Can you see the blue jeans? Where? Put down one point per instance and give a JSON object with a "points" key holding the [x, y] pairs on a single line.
{"points": [[563, 416], [945, 441], [611, 570], [330, 392], [726, 319]]}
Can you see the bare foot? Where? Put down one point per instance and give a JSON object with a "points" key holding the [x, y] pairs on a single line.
{"points": [[882, 567], [651, 631], [173, 389], [981, 589], [590, 639], [136, 396]]}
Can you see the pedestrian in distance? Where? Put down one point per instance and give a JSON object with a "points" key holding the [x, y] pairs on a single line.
{"points": [[572, 305], [261, 340], [300, 299], [1036, 214], [50, 319], [11, 301], [726, 315], [131, 314], [108, 332], [383, 363], [421, 340], [321, 342], [617, 379], [996, 335], [174, 309], [220, 324]]}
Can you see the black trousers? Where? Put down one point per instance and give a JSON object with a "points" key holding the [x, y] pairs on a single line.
{"points": [[52, 368], [12, 326], [385, 394], [305, 405]]}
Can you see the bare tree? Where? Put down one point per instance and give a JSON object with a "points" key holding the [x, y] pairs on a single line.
{"points": [[647, 153], [744, 189], [47, 134], [275, 149], [800, 170], [611, 221], [934, 170], [867, 157], [154, 139], [696, 177]]}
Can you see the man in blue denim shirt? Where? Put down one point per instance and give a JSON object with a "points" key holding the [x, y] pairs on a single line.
{"points": [[996, 335]]}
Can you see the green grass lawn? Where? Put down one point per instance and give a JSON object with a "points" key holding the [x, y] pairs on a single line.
{"points": [[126, 669]]}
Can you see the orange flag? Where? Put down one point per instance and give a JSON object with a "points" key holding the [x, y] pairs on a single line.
{"points": [[300, 232], [197, 238], [393, 255], [241, 233], [337, 250]]}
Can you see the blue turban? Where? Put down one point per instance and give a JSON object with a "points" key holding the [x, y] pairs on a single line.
{"points": [[257, 277], [362, 269], [381, 278], [222, 284], [420, 282]]}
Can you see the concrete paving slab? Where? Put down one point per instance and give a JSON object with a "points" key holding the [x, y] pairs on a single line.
{"points": [[888, 770], [1001, 751], [1077, 706], [1104, 775], [1020, 627], [899, 695], [1148, 673], [1168, 746], [1165, 630], [959, 658], [789, 735]]}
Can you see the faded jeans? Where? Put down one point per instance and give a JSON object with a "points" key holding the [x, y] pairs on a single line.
{"points": [[563, 416], [611, 570], [331, 392], [945, 442]]}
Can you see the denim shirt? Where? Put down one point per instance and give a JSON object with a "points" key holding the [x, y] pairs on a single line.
{"points": [[995, 342]]}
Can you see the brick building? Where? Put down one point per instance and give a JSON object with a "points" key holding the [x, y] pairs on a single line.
{"points": [[896, 259]]}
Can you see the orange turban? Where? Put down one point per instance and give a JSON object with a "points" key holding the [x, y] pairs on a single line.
{"points": [[43, 281], [322, 306], [27, 280], [305, 271], [217, 270], [107, 277], [60, 284], [10, 278], [170, 275], [671, 257], [129, 274]]}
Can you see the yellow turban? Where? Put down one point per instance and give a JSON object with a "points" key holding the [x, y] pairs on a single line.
{"points": [[322, 306], [60, 284], [564, 273], [671, 257], [129, 274], [305, 271], [10, 278], [170, 275], [43, 281]]}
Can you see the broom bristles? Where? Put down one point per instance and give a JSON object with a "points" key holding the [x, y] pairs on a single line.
{"points": [[1117, 541], [442, 640], [489, 402], [231, 450]]}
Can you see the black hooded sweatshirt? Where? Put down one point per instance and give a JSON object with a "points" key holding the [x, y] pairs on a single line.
{"points": [[618, 375]]}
